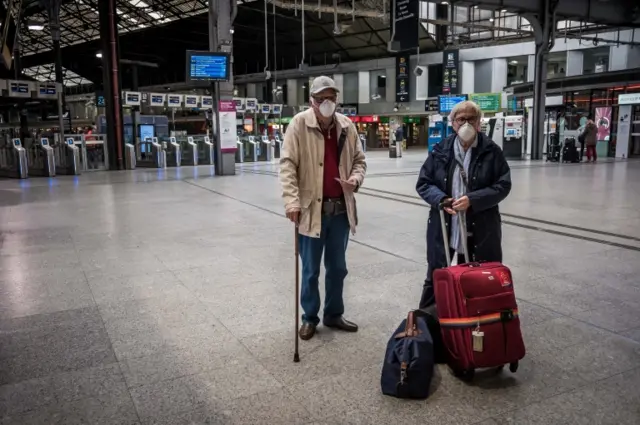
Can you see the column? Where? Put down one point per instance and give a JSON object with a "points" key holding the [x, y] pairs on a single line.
{"points": [[543, 27], [467, 74], [111, 82], [339, 80], [498, 75], [390, 89], [53, 12], [531, 68], [575, 65], [292, 92], [363, 87]]}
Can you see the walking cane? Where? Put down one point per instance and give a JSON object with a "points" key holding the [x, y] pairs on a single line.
{"points": [[296, 354]]}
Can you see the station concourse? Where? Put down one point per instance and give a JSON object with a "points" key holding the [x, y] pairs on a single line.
{"points": [[146, 263]]}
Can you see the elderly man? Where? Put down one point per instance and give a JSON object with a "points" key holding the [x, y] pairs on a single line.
{"points": [[469, 169], [321, 167]]}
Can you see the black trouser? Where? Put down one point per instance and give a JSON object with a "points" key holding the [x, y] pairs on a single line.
{"points": [[428, 295]]}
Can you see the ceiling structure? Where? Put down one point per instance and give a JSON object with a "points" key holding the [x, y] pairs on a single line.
{"points": [[160, 31]]}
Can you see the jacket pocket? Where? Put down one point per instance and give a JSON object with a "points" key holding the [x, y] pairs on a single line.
{"points": [[306, 198]]}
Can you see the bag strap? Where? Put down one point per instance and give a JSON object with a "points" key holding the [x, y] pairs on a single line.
{"points": [[410, 328], [463, 173], [341, 141]]}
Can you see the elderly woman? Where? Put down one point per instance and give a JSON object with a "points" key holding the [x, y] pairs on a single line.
{"points": [[469, 171]]}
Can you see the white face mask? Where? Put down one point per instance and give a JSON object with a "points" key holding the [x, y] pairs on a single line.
{"points": [[327, 108], [467, 133]]}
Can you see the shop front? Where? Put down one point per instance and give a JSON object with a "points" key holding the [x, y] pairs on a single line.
{"points": [[628, 135]]}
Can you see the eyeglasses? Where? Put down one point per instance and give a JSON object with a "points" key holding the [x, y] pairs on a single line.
{"points": [[470, 120], [322, 98]]}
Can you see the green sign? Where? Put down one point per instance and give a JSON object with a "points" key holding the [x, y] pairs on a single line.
{"points": [[488, 102], [412, 120]]}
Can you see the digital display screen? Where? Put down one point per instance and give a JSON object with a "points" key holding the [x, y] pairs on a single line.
{"points": [[133, 98], [157, 100], [44, 142], [174, 100], [208, 66], [16, 142], [446, 103], [511, 132]]}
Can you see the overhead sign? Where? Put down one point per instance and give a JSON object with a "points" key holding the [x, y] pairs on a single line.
{"points": [[251, 104], [132, 98], [352, 112], [174, 100], [405, 16], [228, 132], [264, 108], [191, 101], [19, 88], [402, 78], [450, 72], [446, 103], [276, 109], [488, 102], [208, 66], [629, 99], [431, 105], [206, 102], [157, 99], [47, 90], [240, 104]]}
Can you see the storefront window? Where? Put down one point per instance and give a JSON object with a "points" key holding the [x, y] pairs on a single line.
{"points": [[557, 65], [517, 69], [378, 85], [595, 60]]}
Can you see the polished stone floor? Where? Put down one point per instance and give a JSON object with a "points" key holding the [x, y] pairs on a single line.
{"points": [[166, 297]]}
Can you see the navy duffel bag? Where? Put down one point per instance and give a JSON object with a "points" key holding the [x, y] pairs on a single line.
{"points": [[409, 361]]}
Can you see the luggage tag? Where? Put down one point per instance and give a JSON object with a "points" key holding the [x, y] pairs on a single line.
{"points": [[478, 339]]}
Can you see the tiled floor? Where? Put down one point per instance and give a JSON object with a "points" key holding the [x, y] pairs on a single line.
{"points": [[166, 297]]}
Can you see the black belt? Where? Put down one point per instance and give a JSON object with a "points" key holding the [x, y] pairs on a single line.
{"points": [[334, 206]]}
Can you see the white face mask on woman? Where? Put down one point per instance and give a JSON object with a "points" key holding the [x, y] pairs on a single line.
{"points": [[327, 108], [467, 133]]}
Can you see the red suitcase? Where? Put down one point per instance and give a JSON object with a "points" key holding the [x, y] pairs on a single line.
{"points": [[478, 313]]}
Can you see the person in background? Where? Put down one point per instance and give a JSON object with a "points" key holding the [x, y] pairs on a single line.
{"points": [[591, 138], [321, 167], [470, 170]]}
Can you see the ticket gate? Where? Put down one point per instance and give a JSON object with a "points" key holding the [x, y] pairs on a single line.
{"points": [[13, 160], [67, 157], [41, 159], [173, 152], [266, 149], [251, 149], [277, 147], [151, 154], [129, 156], [239, 151], [190, 151], [207, 152]]}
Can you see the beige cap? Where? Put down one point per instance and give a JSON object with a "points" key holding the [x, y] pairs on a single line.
{"points": [[322, 83]]}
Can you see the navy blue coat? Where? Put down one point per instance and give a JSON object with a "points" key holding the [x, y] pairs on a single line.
{"points": [[489, 183]]}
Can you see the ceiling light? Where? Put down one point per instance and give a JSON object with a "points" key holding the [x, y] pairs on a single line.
{"points": [[155, 15], [444, 2], [504, 11], [513, 62], [138, 3], [98, 55], [490, 19], [476, 6], [36, 27]]}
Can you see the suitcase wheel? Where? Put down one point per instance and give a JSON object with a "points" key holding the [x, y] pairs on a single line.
{"points": [[464, 375], [513, 367]]}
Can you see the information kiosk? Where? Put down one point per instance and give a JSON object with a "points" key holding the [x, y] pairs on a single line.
{"points": [[494, 129], [512, 143]]}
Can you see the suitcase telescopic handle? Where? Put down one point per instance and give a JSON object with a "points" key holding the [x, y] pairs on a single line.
{"points": [[462, 225]]}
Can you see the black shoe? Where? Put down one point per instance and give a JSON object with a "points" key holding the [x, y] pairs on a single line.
{"points": [[340, 323], [307, 331]]}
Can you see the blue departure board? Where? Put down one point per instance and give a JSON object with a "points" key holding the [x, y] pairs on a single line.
{"points": [[446, 103], [208, 66]]}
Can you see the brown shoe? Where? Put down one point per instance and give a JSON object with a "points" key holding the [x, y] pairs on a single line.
{"points": [[307, 331], [340, 323]]}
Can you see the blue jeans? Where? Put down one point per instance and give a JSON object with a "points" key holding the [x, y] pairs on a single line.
{"points": [[333, 240]]}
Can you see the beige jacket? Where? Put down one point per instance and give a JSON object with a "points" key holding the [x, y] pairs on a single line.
{"points": [[301, 172]]}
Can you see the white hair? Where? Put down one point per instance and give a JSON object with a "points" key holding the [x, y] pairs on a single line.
{"points": [[467, 104]]}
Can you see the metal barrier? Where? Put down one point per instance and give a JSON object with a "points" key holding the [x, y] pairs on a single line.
{"points": [[67, 157], [94, 155], [173, 152], [190, 149], [13, 160], [41, 159], [150, 154], [251, 149], [129, 156], [277, 147], [266, 149], [206, 151]]}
